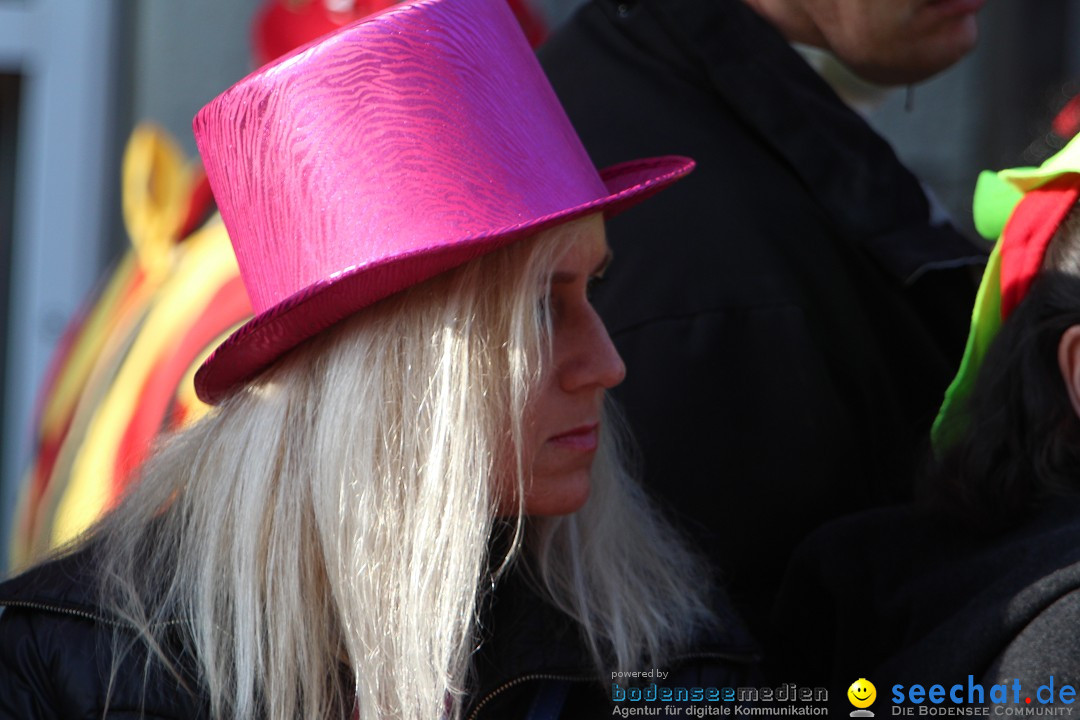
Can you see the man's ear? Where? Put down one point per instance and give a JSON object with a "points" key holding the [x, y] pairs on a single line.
{"points": [[1069, 362]]}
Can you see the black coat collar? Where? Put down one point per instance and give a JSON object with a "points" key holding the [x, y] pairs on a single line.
{"points": [[872, 199]]}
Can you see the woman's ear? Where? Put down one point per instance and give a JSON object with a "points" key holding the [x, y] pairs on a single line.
{"points": [[1069, 362]]}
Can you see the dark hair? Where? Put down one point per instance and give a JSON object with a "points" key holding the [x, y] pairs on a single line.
{"points": [[1022, 440]]}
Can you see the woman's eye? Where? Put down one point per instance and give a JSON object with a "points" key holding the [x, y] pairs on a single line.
{"points": [[543, 307], [593, 283]]}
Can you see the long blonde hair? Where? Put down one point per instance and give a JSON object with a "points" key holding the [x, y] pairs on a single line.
{"points": [[337, 513]]}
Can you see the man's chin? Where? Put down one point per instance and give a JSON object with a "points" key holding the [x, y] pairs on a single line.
{"points": [[909, 71], [900, 63]]}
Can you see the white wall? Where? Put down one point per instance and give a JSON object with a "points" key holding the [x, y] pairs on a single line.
{"points": [[186, 53]]}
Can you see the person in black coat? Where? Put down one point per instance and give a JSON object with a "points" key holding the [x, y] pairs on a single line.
{"points": [[981, 578], [791, 315]]}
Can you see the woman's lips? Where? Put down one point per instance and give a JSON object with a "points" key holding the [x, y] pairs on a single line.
{"points": [[584, 438]]}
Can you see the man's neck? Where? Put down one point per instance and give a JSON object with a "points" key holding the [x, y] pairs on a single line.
{"points": [[863, 96]]}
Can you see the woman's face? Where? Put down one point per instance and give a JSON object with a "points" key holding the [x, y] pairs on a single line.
{"points": [[562, 420]]}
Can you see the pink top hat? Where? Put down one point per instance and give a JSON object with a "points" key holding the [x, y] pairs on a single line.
{"points": [[395, 149]]}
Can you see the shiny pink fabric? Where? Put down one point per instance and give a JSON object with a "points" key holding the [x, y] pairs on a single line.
{"points": [[395, 149]]}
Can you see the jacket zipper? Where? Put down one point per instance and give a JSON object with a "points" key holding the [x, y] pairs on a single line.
{"points": [[57, 609], [588, 678], [523, 679], [72, 612]]}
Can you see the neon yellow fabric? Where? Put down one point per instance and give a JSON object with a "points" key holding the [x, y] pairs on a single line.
{"points": [[1067, 160], [985, 324], [156, 188], [993, 204]]}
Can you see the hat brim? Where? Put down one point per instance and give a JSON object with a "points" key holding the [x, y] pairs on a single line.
{"points": [[264, 339]]}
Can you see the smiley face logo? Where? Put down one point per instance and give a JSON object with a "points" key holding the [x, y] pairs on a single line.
{"points": [[862, 693]]}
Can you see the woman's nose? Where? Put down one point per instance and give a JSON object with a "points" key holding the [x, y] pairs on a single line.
{"points": [[591, 360]]}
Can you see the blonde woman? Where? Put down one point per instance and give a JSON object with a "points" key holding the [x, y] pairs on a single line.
{"points": [[408, 503]]}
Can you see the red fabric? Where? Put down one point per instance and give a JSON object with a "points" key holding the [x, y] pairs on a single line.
{"points": [[1067, 122], [534, 27], [200, 204], [283, 25], [1027, 234]]}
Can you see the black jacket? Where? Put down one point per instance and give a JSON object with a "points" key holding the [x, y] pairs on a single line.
{"points": [[789, 315], [904, 596], [56, 654]]}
